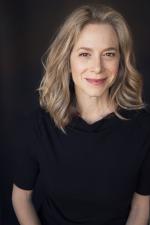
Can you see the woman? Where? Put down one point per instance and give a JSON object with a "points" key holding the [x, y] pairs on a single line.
{"points": [[87, 146]]}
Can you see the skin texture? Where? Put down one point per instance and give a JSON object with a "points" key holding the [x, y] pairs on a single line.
{"points": [[101, 60], [23, 207], [140, 210]]}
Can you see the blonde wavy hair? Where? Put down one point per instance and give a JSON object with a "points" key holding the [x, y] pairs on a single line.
{"points": [[56, 90]]}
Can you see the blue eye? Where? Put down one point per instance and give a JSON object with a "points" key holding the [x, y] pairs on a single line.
{"points": [[84, 54]]}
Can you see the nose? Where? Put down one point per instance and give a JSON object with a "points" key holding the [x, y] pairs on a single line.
{"points": [[97, 65]]}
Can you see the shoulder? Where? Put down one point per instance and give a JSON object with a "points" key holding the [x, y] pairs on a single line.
{"points": [[28, 129], [24, 136], [138, 118], [142, 119], [139, 115], [33, 116], [39, 121], [143, 116], [25, 123]]}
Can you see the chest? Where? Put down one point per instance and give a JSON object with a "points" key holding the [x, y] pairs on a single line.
{"points": [[99, 164]]}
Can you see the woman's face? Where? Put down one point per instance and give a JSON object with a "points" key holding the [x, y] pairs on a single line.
{"points": [[94, 60]]}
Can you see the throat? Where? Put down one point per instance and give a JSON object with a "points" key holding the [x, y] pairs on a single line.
{"points": [[90, 120]]}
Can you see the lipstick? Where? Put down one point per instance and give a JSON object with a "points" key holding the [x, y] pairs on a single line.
{"points": [[96, 81]]}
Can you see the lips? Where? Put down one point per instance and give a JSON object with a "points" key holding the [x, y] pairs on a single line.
{"points": [[96, 81]]}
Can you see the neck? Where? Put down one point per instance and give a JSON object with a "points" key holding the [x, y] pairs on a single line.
{"points": [[94, 108]]}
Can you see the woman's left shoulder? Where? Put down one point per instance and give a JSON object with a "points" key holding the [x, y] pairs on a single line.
{"points": [[143, 118]]}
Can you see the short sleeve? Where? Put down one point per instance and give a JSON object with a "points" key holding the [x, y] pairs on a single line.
{"points": [[25, 157], [143, 182]]}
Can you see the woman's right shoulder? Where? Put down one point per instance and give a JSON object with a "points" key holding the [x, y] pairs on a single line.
{"points": [[33, 115], [27, 121], [29, 125], [39, 117]]}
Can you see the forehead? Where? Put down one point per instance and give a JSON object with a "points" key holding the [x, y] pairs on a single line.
{"points": [[97, 36]]}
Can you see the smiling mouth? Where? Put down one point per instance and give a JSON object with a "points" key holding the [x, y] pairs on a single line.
{"points": [[96, 81]]}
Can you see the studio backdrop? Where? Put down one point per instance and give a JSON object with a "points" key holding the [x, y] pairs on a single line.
{"points": [[27, 29]]}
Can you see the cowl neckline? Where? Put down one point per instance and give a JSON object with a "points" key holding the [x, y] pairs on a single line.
{"points": [[79, 124]]}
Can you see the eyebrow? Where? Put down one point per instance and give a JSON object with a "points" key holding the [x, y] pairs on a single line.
{"points": [[90, 49]]}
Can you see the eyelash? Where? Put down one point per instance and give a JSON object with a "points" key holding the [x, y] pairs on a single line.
{"points": [[109, 54], [82, 54]]}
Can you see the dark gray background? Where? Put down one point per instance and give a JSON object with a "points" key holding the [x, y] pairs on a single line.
{"points": [[26, 30]]}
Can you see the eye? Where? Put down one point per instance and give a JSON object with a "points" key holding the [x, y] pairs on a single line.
{"points": [[84, 54], [110, 54]]}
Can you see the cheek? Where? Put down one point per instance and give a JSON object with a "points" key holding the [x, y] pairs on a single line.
{"points": [[113, 67], [77, 66]]}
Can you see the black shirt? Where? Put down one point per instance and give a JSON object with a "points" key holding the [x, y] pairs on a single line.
{"points": [[88, 176]]}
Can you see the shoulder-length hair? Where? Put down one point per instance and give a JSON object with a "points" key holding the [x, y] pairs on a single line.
{"points": [[56, 90]]}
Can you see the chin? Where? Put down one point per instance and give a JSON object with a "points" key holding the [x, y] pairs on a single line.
{"points": [[94, 94]]}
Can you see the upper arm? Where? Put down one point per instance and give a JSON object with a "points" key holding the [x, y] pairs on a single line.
{"points": [[19, 193], [140, 201], [139, 212]]}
